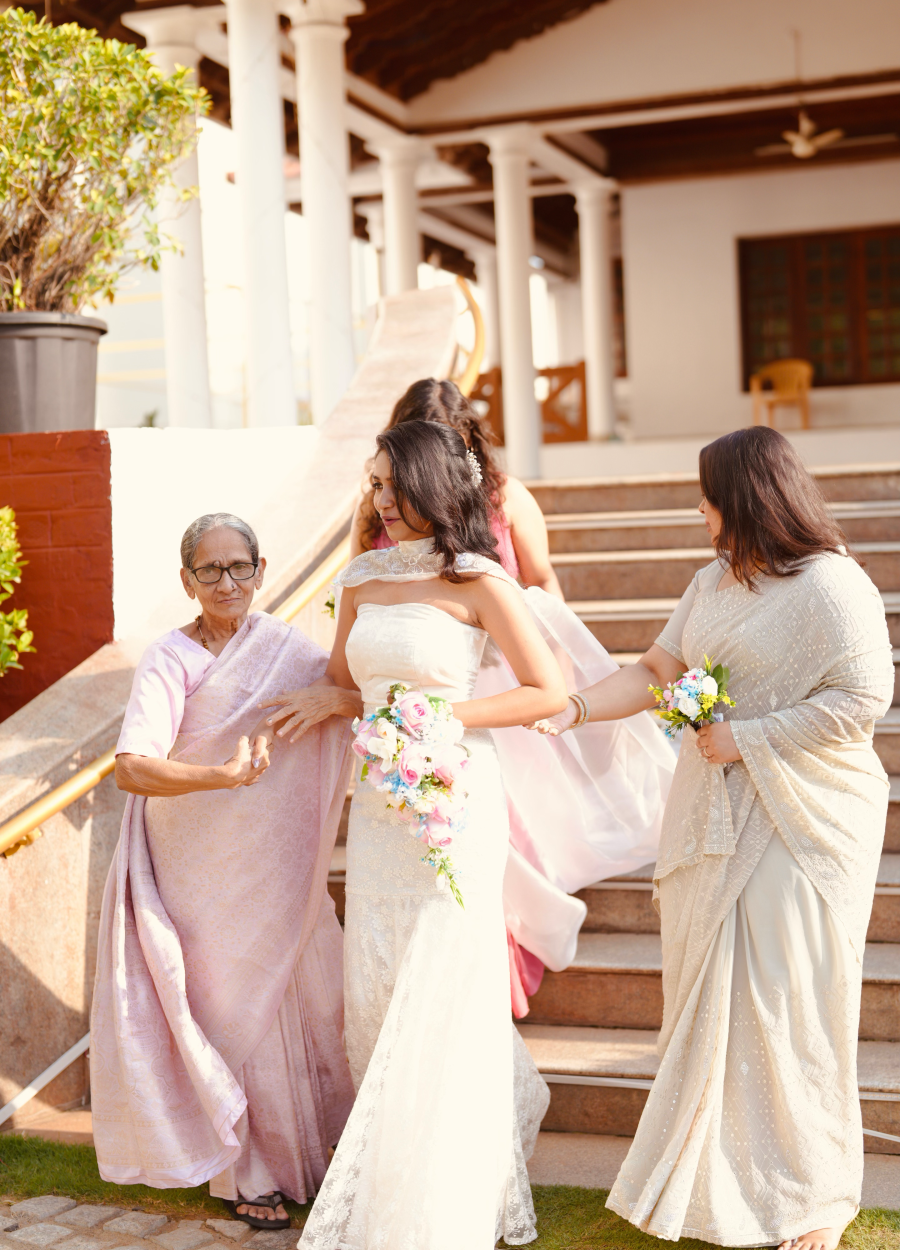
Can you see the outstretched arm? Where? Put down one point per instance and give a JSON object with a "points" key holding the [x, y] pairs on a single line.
{"points": [[621, 694]]}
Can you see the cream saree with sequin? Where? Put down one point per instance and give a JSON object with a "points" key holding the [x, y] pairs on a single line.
{"points": [[765, 879]]}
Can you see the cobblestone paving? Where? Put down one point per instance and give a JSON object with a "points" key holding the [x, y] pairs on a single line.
{"points": [[60, 1223]]}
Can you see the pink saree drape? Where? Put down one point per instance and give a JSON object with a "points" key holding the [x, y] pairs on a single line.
{"points": [[216, 1030]]}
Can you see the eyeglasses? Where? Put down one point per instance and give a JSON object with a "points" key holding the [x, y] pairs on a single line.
{"points": [[209, 574]]}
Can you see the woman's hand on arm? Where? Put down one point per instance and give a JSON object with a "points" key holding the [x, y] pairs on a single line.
{"points": [[542, 692], [334, 694], [160, 779], [622, 693], [301, 709], [528, 531]]}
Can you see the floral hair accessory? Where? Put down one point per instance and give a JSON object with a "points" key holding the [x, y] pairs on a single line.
{"points": [[690, 700], [413, 754], [474, 467]]}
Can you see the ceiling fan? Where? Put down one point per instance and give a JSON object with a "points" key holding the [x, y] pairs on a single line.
{"points": [[806, 141]]}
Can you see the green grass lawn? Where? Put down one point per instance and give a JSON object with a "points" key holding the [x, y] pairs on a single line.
{"points": [[568, 1218]]}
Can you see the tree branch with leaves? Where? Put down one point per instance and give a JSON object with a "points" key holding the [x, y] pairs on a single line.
{"points": [[91, 132]]}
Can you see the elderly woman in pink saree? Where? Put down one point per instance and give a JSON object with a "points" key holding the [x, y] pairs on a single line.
{"points": [[217, 1021]]}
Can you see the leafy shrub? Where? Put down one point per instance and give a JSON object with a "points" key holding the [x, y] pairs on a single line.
{"points": [[90, 134], [15, 636]]}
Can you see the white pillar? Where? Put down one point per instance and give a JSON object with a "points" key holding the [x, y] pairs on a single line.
{"points": [[486, 268], [373, 211], [254, 65], [509, 156], [592, 202], [319, 33], [170, 35], [402, 246]]}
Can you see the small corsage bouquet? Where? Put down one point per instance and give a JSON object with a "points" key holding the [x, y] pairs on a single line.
{"points": [[690, 700], [413, 755]]}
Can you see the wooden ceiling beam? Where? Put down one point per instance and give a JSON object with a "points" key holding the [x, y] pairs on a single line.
{"points": [[452, 55]]}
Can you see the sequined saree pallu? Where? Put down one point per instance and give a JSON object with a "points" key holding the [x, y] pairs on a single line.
{"points": [[765, 879], [216, 1033]]}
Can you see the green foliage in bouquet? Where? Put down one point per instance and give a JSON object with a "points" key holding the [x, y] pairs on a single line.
{"points": [[692, 698], [91, 132], [15, 636]]}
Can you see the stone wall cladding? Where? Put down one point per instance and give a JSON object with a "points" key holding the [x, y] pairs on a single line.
{"points": [[59, 486]]}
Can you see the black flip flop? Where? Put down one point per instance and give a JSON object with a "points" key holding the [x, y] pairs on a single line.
{"points": [[272, 1201]]}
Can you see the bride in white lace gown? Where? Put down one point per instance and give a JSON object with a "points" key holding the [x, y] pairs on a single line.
{"points": [[449, 1101]]}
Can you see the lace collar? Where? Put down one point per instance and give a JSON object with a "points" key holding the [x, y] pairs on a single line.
{"points": [[410, 561]]}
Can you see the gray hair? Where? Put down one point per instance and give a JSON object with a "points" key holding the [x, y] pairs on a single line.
{"points": [[213, 520]]}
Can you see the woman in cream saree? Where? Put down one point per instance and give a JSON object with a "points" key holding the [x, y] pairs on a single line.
{"points": [[766, 871]]}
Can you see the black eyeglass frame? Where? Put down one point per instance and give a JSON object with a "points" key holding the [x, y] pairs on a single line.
{"points": [[225, 569]]}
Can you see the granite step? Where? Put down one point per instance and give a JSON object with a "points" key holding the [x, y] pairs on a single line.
{"points": [[682, 490], [862, 521], [624, 904], [667, 571], [887, 740], [615, 981], [892, 827], [599, 1079]]}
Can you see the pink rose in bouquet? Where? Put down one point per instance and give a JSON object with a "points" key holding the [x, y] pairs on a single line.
{"points": [[363, 734], [415, 711], [448, 762], [412, 765]]}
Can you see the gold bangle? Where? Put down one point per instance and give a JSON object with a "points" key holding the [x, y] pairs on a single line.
{"points": [[582, 711]]}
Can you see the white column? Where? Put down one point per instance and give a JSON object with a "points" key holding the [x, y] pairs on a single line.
{"points": [[254, 65], [402, 246], [592, 203], [486, 268], [373, 211], [170, 35], [509, 156], [319, 33]]}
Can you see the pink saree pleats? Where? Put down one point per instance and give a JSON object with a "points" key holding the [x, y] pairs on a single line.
{"points": [[217, 1020]]}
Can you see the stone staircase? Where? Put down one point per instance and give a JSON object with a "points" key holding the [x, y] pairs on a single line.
{"points": [[624, 551]]}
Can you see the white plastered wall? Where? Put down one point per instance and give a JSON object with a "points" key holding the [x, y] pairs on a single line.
{"points": [[639, 49], [682, 311]]}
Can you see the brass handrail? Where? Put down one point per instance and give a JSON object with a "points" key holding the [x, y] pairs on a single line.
{"points": [[469, 376], [25, 826]]}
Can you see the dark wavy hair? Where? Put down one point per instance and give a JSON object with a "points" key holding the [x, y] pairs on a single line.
{"points": [[442, 403], [432, 479], [774, 516]]}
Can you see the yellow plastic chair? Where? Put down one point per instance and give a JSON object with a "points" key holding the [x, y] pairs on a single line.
{"points": [[790, 381]]}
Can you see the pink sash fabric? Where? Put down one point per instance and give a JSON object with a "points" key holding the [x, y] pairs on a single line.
{"points": [[219, 964]]}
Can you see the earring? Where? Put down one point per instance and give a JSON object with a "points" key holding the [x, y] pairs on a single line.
{"points": [[474, 467]]}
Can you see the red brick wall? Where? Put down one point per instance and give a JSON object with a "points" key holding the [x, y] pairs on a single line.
{"points": [[59, 486]]}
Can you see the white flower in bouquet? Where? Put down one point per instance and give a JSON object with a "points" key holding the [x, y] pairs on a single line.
{"points": [[689, 707], [709, 685], [388, 732]]}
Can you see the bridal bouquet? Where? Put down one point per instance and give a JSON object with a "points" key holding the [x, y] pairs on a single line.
{"points": [[690, 700], [413, 754]]}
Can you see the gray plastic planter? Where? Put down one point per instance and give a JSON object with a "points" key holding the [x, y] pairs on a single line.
{"points": [[48, 371]]}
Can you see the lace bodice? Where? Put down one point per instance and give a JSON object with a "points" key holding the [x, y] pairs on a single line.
{"points": [[416, 643]]}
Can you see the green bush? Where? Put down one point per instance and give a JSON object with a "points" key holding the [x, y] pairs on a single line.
{"points": [[90, 134], [15, 636]]}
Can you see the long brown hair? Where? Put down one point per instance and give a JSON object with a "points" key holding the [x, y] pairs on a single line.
{"points": [[432, 477], [774, 516], [441, 403]]}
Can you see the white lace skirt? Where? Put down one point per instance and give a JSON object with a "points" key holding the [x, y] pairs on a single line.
{"points": [[752, 1132], [432, 1157]]}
